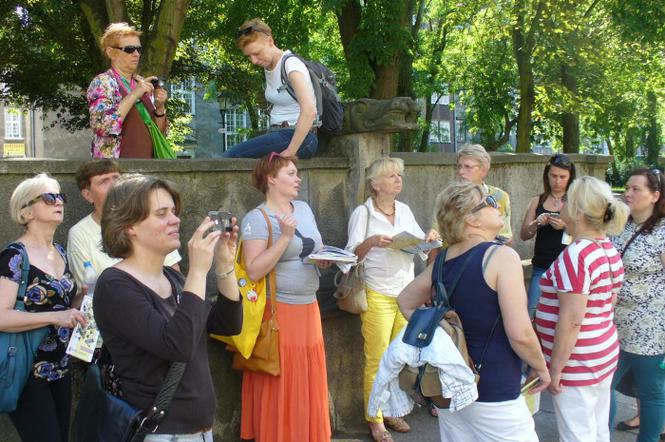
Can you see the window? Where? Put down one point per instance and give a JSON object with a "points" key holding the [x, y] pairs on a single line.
{"points": [[13, 117], [184, 91], [460, 130], [236, 119], [439, 131]]}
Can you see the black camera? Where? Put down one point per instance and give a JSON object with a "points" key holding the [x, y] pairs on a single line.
{"points": [[158, 83]]}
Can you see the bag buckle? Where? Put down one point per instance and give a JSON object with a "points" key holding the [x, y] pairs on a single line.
{"points": [[422, 336], [149, 416]]}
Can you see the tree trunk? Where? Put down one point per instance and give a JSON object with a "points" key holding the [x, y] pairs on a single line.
{"points": [[165, 36], [570, 121], [527, 93], [653, 129], [424, 139]]}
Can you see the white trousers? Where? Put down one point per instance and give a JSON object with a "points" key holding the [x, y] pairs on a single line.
{"points": [[508, 421], [582, 413]]}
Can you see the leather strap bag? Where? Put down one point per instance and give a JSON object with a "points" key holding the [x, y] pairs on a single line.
{"points": [[265, 354], [351, 293], [17, 350]]}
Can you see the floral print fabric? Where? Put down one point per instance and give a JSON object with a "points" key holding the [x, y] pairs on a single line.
{"points": [[640, 309], [103, 100], [44, 293]]}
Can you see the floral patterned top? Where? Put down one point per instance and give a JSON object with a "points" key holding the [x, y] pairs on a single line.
{"points": [[44, 293], [640, 309], [103, 100]]}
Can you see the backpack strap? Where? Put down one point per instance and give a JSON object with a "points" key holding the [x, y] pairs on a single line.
{"points": [[25, 270], [498, 318], [286, 83], [442, 297]]}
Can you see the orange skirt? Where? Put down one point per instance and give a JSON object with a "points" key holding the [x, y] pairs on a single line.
{"points": [[291, 407]]}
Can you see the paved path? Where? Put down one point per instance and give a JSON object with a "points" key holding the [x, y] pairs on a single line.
{"points": [[425, 428]]}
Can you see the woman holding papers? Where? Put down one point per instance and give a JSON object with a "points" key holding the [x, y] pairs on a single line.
{"points": [[387, 271], [294, 405], [491, 302]]}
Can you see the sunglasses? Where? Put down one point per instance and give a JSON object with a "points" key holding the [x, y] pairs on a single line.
{"points": [[560, 160], [130, 49], [50, 199], [249, 29], [272, 156], [489, 201], [657, 173]]}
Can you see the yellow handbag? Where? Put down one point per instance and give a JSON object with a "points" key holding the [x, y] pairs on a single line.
{"points": [[253, 295]]}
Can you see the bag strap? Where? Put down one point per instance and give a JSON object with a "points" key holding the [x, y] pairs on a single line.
{"points": [[442, 296], [162, 402], [271, 282], [286, 83], [632, 238], [23, 283], [498, 318]]}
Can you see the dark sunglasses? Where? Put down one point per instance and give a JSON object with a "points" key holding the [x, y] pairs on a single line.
{"points": [[560, 160], [248, 30], [130, 49], [657, 173], [49, 199], [489, 201]]}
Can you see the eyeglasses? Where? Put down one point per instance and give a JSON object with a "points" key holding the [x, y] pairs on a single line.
{"points": [[467, 167], [249, 29], [560, 160], [130, 49], [489, 201], [50, 199]]}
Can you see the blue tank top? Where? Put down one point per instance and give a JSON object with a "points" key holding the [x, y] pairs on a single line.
{"points": [[478, 307]]}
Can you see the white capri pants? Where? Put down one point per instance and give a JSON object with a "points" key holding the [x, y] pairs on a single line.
{"points": [[582, 413], [508, 421]]}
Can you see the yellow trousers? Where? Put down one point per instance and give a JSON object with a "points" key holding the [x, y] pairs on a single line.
{"points": [[380, 324]]}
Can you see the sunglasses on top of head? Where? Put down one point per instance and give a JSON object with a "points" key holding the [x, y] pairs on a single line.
{"points": [[48, 198], [489, 201], [560, 160], [248, 30], [130, 49], [657, 173]]}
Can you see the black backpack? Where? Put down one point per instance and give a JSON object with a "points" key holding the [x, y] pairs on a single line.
{"points": [[330, 112]]}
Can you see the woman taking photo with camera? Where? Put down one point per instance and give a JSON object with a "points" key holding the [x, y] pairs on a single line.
{"points": [[127, 111], [151, 316], [43, 409], [543, 220], [292, 406]]}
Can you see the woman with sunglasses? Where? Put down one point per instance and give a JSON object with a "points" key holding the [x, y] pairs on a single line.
{"points": [[43, 409], [640, 308], [491, 301], [292, 131], [575, 314], [292, 406], [543, 220], [122, 104]]}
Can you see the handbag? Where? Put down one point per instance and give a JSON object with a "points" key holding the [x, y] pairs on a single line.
{"points": [[102, 417], [265, 352], [424, 380], [253, 295], [351, 294], [17, 350]]}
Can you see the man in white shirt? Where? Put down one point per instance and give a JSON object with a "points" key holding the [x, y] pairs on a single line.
{"points": [[94, 179]]}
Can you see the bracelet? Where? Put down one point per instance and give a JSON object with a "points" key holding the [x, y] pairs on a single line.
{"points": [[159, 115], [224, 275]]}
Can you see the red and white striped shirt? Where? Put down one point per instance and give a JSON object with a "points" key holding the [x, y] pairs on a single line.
{"points": [[583, 269]]}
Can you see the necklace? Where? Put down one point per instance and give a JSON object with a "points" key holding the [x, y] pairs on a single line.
{"points": [[381, 210]]}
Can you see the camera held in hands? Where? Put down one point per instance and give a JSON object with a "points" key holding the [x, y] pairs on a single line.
{"points": [[222, 220], [158, 83]]}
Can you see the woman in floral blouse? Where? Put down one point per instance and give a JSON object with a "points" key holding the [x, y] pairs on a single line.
{"points": [[640, 309], [120, 101], [42, 411]]}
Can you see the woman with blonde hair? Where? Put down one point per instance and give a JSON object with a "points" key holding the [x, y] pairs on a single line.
{"points": [[43, 409], [124, 106], [293, 116], [490, 299], [387, 271], [575, 315]]}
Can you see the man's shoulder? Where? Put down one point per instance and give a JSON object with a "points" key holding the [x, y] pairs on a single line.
{"points": [[84, 226], [497, 192]]}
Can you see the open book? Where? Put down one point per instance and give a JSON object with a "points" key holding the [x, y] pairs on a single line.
{"points": [[334, 254], [406, 242]]}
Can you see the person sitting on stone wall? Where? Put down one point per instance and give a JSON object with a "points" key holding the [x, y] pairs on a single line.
{"points": [[95, 179], [473, 164], [291, 131]]}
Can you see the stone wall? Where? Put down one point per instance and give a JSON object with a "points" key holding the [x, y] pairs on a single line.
{"points": [[332, 187]]}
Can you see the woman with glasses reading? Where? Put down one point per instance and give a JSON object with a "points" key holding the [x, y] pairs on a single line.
{"points": [[491, 301], [640, 309], [127, 111], [575, 314], [43, 409], [543, 220], [292, 131]]}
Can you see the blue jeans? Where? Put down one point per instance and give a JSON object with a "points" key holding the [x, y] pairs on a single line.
{"points": [[205, 436], [649, 381], [534, 288], [275, 141]]}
